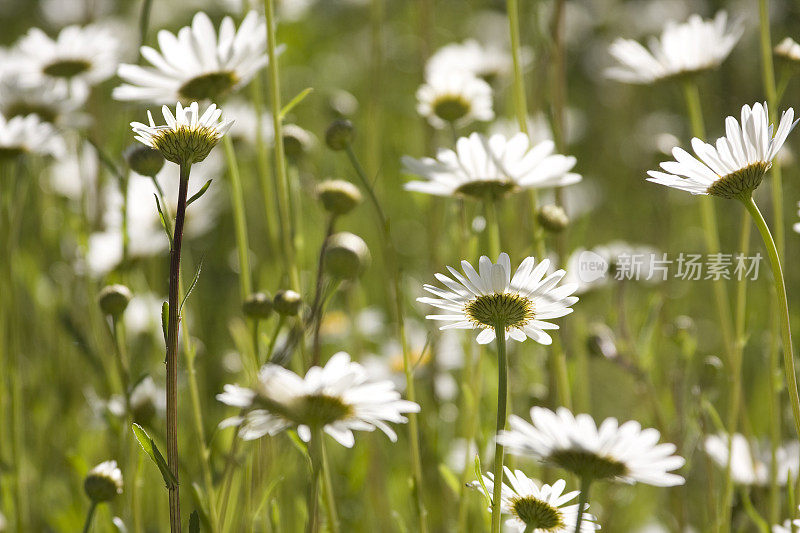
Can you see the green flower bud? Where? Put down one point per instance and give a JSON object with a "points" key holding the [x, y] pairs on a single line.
{"points": [[338, 197], [296, 142], [114, 299], [346, 256], [340, 134], [287, 303], [552, 218], [144, 160], [103, 482], [257, 305]]}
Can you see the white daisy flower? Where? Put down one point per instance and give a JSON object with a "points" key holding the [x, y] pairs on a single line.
{"points": [[197, 64], [685, 48], [471, 57], [81, 55], [457, 98], [750, 465], [338, 398], [188, 136], [616, 261], [28, 134], [522, 304], [535, 508], [788, 526], [493, 166], [788, 49], [611, 451], [734, 167]]}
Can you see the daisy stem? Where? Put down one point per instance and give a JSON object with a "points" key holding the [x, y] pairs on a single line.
{"points": [[144, 20], [89, 516], [502, 398], [239, 218], [312, 526], [493, 226], [583, 499], [330, 501], [317, 306], [172, 348], [783, 305], [262, 164], [284, 209]]}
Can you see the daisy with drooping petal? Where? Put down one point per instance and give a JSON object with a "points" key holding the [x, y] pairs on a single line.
{"points": [[522, 304], [750, 464], [28, 134], [337, 399], [456, 98], [86, 54], [197, 64], [686, 48], [788, 50], [611, 451], [188, 136], [735, 166], [535, 508], [482, 167]]}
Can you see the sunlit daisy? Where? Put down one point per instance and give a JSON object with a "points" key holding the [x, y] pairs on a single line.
{"points": [[788, 49], [750, 464], [522, 304], [456, 98], [685, 48], [611, 451], [471, 57], [197, 64], [188, 136], [536, 508], [337, 398], [86, 54], [482, 167], [734, 167], [28, 134]]}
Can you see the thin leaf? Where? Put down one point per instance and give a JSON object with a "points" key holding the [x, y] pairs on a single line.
{"points": [[165, 318], [194, 522], [106, 159], [479, 474], [192, 286], [163, 219], [198, 194], [449, 478], [296, 100], [149, 446]]}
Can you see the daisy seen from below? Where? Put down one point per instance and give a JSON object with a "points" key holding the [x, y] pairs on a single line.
{"points": [[79, 55], [686, 48], [750, 464], [28, 135], [536, 508], [491, 298], [454, 99], [188, 136], [337, 399], [491, 167], [197, 64]]}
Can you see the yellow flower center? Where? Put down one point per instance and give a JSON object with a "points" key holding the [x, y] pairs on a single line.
{"points": [[208, 86], [740, 183], [509, 310], [537, 514], [588, 465], [451, 107], [67, 68]]}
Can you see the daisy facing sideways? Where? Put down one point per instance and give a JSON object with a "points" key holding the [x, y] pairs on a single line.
{"points": [[536, 508], [337, 399], [491, 298]]}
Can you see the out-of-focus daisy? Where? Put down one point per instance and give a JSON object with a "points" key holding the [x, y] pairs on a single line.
{"points": [[245, 124], [536, 508], [470, 57], [750, 465], [337, 398], [147, 400], [456, 98], [611, 451], [685, 48], [788, 526], [87, 54], [188, 136], [600, 266], [522, 304], [60, 13], [482, 167], [734, 167], [788, 49], [103, 482], [28, 134], [197, 64]]}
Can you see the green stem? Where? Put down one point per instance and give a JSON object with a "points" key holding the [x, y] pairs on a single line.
{"points": [[239, 218], [262, 164], [330, 500], [89, 516], [783, 305], [502, 399], [520, 104], [144, 20], [274, 339], [583, 500], [493, 227], [284, 210]]}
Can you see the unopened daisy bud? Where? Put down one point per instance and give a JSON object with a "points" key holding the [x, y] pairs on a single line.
{"points": [[788, 50], [338, 197], [257, 305], [601, 342], [144, 160], [103, 482], [552, 218], [146, 401], [114, 299], [339, 135], [287, 303], [343, 104], [296, 142], [346, 255]]}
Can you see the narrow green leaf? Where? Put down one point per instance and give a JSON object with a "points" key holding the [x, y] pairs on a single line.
{"points": [[194, 522], [165, 319], [149, 446], [192, 286], [479, 475], [198, 194], [449, 478], [163, 219], [296, 100]]}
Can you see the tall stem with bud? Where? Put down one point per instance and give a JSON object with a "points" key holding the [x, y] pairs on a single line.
{"points": [[502, 399]]}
